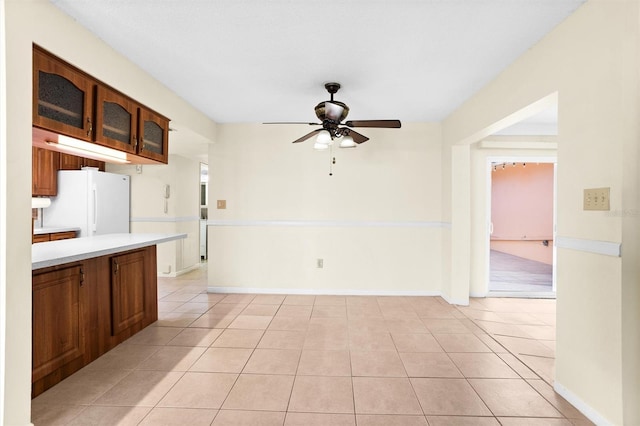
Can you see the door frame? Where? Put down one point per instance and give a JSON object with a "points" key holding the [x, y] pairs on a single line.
{"points": [[488, 225]]}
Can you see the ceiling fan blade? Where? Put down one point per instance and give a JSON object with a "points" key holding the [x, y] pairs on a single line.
{"points": [[357, 137], [294, 122], [308, 135], [387, 124]]}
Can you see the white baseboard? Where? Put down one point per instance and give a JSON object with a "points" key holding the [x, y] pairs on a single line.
{"points": [[189, 269], [523, 294], [582, 406], [180, 272], [319, 292], [453, 301]]}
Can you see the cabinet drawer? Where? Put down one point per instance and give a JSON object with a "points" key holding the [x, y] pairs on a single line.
{"points": [[41, 238], [63, 235]]}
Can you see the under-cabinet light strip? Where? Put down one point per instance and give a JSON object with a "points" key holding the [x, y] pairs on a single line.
{"points": [[83, 148]]}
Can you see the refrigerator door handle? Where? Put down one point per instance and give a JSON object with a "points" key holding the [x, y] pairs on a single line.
{"points": [[95, 209]]}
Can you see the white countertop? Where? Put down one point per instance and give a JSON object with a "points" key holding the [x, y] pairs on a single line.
{"points": [[53, 230], [54, 253]]}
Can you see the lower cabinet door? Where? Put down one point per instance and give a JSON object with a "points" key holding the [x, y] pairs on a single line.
{"points": [[58, 322], [127, 290]]}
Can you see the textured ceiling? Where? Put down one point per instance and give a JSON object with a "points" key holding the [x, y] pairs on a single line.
{"points": [[260, 60]]}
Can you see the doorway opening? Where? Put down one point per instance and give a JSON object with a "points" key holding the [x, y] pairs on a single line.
{"points": [[521, 232], [204, 209]]}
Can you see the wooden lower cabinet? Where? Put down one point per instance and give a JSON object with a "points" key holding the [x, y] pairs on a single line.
{"points": [[83, 310], [127, 291], [54, 236], [41, 238], [58, 320]]}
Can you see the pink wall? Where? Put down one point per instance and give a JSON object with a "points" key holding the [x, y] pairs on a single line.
{"points": [[522, 210]]}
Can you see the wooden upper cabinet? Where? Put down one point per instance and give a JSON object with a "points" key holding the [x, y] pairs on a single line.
{"points": [[67, 101], [73, 162], [44, 177], [154, 135], [116, 120], [70, 162], [62, 97]]}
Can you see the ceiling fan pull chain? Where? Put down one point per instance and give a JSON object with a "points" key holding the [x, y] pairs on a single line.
{"points": [[332, 160]]}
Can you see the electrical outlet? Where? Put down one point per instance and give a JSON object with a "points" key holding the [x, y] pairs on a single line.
{"points": [[221, 204], [596, 199], [320, 263]]}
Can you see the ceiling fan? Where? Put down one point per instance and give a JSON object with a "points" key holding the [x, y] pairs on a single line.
{"points": [[331, 113]]}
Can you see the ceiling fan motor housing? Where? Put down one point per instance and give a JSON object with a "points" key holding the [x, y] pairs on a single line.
{"points": [[327, 112]]}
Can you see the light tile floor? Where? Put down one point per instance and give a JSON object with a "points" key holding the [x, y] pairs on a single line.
{"points": [[237, 359]]}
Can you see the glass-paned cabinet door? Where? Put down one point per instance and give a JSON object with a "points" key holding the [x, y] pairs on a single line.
{"points": [[154, 135], [115, 120], [62, 97]]}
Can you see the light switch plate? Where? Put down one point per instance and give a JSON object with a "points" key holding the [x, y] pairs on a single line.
{"points": [[596, 199], [221, 204]]}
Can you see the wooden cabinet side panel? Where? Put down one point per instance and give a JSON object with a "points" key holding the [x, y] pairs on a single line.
{"points": [[102, 305], [91, 302], [151, 286]]}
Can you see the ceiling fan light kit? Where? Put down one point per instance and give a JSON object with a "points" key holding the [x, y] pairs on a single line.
{"points": [[324, 137], [347, 142]]}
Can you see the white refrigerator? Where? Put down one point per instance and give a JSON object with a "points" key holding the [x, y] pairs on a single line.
{"points": [[96, 202]]}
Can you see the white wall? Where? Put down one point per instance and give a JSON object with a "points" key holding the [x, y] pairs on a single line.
{"points": [[3, 208], [182, 215], [376, 222], [591, 61], [40, 22]]}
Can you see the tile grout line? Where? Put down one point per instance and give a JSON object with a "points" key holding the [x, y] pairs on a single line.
{"points": [[522, 378]]}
